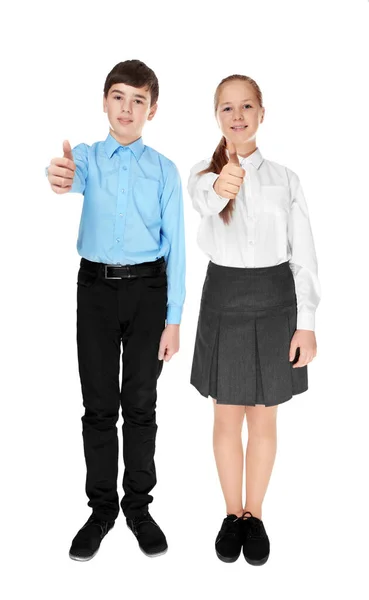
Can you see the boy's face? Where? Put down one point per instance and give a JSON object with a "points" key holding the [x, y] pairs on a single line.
{"points": [[128, 109]]}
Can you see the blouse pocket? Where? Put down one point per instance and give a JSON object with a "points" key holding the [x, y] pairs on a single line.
{"points": [[276, 199], [146, 196]]}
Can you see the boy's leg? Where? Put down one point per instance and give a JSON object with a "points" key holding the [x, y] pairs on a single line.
{"points": [[141, 369], [99, 339]]}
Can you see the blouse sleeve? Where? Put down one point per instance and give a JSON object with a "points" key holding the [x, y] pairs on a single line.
{"points": [[303, 261], [200, 188]]}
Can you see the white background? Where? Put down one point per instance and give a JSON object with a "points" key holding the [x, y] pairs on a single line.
{"points": [[311, 61]]}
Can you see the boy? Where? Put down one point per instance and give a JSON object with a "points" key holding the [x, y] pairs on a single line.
{"points": [[131, 280]]}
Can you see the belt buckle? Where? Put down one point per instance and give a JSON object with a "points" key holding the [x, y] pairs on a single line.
{"points": [[106, 272]]}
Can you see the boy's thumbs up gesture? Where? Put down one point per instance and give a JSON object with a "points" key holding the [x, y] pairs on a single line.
{"points": [[61, 171], [231, 176]]}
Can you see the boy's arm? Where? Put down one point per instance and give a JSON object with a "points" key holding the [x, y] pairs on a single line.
{"points": [[204, 198], [69, 172], [303, 260], [172, 228]]}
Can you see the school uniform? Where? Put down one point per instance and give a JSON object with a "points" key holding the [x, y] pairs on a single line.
{"points": [[131, 282], [261, 285]]}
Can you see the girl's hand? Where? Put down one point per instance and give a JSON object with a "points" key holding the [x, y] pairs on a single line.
{"points": [[169, 342], [231, 176], [305, 340]]}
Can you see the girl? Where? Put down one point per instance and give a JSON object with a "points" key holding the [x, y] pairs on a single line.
{"points": [[255, 333]]}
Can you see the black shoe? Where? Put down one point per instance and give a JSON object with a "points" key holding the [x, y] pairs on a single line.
{"points": [[256, 545], [151, 539], [229, 539], [87, 541]]}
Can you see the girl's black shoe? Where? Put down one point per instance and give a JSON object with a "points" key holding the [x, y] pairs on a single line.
{"points": [[229, 539], [256, 545]]}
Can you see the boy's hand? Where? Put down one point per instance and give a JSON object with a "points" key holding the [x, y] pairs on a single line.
{"points": [[61, 171], [169, 342], [231, 176], [305, 340]]}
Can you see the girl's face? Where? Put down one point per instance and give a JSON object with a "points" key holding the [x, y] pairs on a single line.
{"points": [[238, 112], [128, 110]]}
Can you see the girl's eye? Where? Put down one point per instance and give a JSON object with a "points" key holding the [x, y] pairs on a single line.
{"points": [[227, 108]]}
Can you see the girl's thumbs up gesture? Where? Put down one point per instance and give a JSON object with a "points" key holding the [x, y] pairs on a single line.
{"points": [[61, 171], [231, 176]]}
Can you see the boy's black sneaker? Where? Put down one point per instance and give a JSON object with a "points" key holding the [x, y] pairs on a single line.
{"points": [[151, 539], [228, 543], [87, 541], [256, 545]]}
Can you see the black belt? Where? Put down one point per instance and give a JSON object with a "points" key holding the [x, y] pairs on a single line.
{"points": [[147, 269]]}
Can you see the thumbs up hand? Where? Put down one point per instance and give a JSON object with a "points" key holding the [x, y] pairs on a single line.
{"points": [[61, 171], [231, 176]]}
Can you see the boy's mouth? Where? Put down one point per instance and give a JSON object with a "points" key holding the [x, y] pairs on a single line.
{"points": [[125, 121], [239, 127]]}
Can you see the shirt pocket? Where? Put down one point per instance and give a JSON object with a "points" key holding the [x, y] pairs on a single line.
{"points": [[146, 198], [275, 199]]}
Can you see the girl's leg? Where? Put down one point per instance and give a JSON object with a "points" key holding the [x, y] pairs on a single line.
{"points": [[260, 454], [228, 452]]}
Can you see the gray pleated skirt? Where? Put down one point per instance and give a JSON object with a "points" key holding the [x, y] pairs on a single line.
{"points": [[246, 323]]}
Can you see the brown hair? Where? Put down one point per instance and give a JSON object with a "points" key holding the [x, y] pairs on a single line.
{"points": [[136, 74], [219, 158]]}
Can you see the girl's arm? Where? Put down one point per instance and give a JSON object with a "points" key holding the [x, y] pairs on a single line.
{"points": [[200, 188], [303, 260]]}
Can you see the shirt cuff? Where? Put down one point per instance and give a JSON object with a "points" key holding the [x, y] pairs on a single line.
{"points": [[174, 314], [306, 320], [215, 203]]}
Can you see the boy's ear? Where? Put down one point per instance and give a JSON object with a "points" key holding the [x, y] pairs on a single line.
{"points": [[152, 112], [104, 104]]}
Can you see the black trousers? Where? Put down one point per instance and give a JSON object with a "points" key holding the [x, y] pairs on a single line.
{"points": [[111, 312]]}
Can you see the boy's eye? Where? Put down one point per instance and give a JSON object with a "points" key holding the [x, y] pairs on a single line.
{"points": [[120, 97]]}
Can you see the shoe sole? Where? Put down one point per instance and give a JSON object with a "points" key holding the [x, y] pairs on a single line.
{"points": [[156, 553], [227, 559], [82, 558], [257, 563]]}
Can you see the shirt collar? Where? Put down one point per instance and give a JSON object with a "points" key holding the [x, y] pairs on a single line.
{"points": [[111, 145], [255, 159]]}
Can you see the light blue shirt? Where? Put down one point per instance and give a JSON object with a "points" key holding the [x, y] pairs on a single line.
{"points": [[132, 210]]}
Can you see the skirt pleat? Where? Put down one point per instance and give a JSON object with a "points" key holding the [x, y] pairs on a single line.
{"points": [[246, 322]]}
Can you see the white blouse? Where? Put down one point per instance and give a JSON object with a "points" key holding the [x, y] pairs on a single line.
{"points": [[269, 225]]}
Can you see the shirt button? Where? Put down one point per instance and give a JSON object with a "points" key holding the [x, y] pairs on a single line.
{"points": [[118, 240], [123, 191], [251, 242], [121, 214], [124, 168]]}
